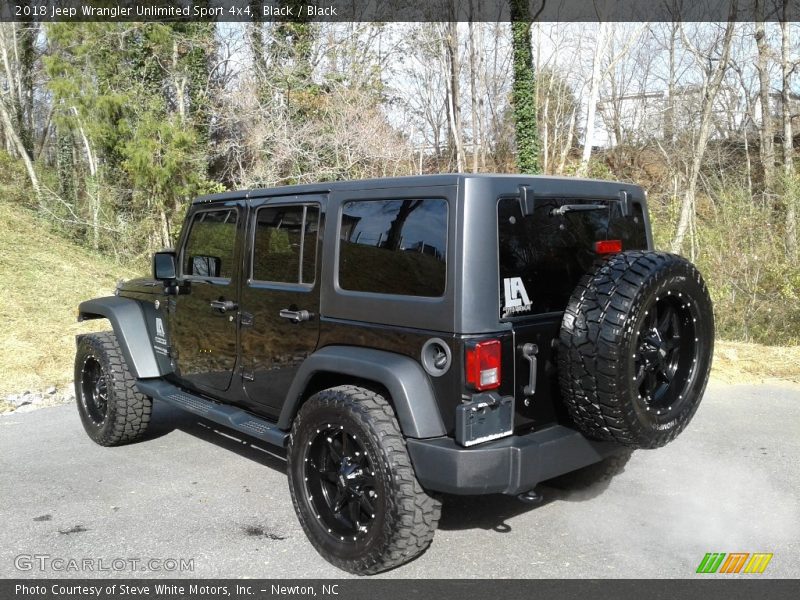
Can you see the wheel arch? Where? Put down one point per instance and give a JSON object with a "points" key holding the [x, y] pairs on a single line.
{"points": [[129, 325], [400, 377]]}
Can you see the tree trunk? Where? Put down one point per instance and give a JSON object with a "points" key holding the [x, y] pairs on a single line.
{"points": [[92, 186], [669, 113], [711, 87], [395, 237], [453, 93], [20, 147], [591, 101], [788, 141], [165, 229], [523, 91], [473, 92], [767, 148]]}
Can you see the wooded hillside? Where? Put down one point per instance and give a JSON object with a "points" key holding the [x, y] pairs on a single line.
{"points": [[107, 130]]}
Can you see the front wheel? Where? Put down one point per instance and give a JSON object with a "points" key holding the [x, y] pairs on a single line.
{"points": [[111, 410], [353, 485]]}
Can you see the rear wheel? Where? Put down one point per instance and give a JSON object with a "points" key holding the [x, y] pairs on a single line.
{"points": [[111, 410], [635, 348], [353, 485]]}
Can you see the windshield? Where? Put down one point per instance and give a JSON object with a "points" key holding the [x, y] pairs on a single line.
{"points": [[542, 256]]}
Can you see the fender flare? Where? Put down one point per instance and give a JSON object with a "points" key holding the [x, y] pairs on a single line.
{"points": [[127, 320], [408, 385]]}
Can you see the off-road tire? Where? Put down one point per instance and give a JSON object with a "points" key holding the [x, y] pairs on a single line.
{"points": [[405, 518], [611, 348], [127, 413]]}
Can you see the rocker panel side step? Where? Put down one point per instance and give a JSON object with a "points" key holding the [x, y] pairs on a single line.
{"points": [[229, 416]]}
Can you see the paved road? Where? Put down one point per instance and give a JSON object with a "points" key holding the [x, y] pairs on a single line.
{"points": [[730, 483]]}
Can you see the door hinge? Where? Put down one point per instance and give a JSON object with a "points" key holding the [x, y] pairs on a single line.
{"points": [[248, 375], [246, 319]]}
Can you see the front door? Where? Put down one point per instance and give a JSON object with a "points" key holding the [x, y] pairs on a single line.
{"points": [[203, 320], [280, 298]]}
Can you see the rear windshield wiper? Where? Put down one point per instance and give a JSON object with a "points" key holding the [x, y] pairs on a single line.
{"points": [[565, 208]]}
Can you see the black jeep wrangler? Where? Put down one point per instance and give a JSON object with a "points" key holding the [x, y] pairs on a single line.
{"points": [[461, 334]]}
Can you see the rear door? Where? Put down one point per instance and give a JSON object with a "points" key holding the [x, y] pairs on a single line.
{"points": [[280, 297]]}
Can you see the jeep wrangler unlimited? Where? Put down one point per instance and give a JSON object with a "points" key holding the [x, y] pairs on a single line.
{"points": [[406, 337]]}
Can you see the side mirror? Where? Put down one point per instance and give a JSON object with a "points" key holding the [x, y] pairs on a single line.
{"points": [[165, 266]]}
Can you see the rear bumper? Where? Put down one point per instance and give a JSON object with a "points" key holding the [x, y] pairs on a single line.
{"points": [[511, 465]]}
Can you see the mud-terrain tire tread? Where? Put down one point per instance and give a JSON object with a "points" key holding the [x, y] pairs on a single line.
{"points": [[129, 411], [414, 515]]}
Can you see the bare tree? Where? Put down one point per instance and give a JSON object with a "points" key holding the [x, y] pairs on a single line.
{"points": [[476, 100], [599, 71], [714, 63], [16, 98], [451, 52], [788, 140], [767, 136], [593, 96]]}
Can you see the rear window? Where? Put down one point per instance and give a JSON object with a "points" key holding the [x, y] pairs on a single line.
{"points": [[394, 246], [542, 256], [285, 244]]}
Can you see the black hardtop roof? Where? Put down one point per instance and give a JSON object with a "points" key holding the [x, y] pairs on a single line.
{"points": [[580, 185]]}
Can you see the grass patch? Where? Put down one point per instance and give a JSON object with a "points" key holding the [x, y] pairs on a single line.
{"points": [[739, 362], [44, 278]]}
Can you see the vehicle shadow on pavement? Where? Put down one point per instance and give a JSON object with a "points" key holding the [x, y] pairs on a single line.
{"points": [[166, 418], [492, 512]]}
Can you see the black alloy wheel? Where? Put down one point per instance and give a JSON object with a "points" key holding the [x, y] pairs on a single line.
{"points": [[340, 483], [94, 385], [665, 354]]}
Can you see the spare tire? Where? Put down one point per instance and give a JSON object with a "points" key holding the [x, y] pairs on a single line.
{"points": [[635, 348]]}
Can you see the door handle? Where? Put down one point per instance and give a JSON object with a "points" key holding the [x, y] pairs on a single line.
{"points": [[224, 305], [296, 316]]}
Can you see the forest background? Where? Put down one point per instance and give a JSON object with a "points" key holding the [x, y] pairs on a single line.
{"points": [[108, 130]]}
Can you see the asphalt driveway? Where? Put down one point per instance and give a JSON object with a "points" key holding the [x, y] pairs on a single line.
{"points": [[730, 483]]}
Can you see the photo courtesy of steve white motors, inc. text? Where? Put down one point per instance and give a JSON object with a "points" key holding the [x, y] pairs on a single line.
{"points": [[67, 10], [167, 589]]}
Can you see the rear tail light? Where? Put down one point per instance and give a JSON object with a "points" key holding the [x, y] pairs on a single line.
{"points": [[483, 365], [608, 246]]}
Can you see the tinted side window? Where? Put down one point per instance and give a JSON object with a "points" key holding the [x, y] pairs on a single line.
{"points": [[210, 247], [285, 244], [394, 247]]}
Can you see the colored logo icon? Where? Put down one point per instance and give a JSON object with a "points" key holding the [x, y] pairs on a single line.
{"points": [[734, 562]]}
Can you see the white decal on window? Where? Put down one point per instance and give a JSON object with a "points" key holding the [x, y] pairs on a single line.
{"points": [[160, 328], [516, 296]]}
